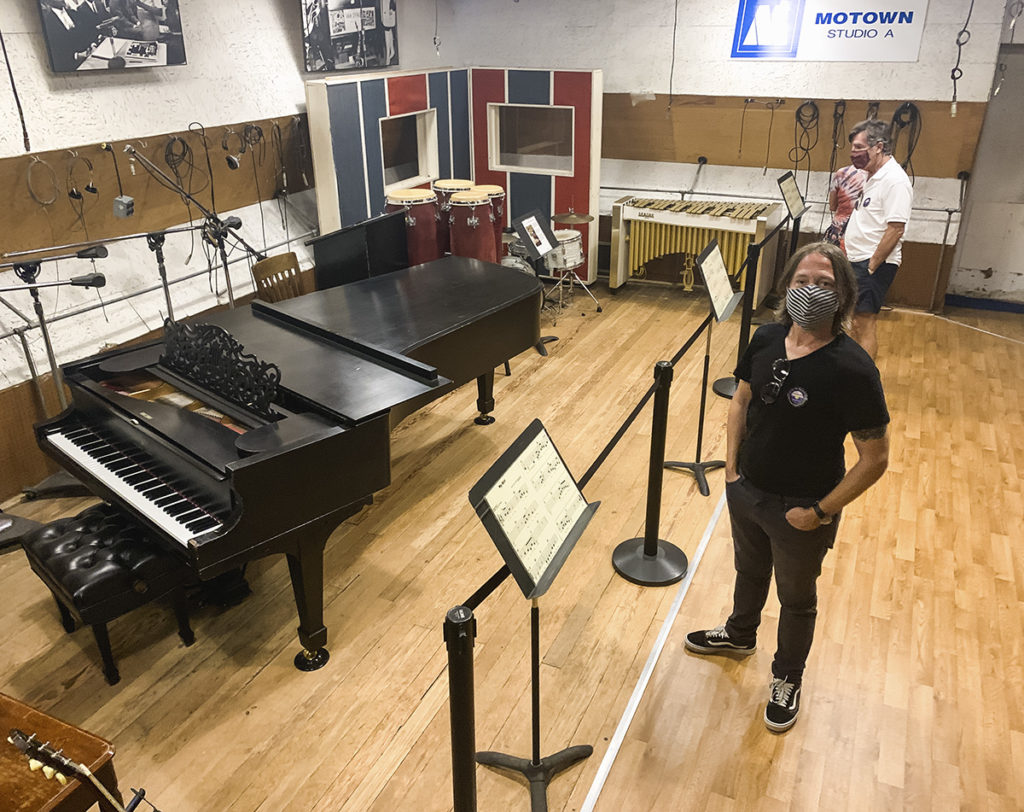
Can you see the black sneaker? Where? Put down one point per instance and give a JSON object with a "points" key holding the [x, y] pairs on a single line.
{"points": [[783, 706], [716, 641]]}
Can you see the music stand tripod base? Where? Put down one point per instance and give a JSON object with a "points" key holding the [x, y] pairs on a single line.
{"points": [[667, 566], [698, 470], [539, 775]]}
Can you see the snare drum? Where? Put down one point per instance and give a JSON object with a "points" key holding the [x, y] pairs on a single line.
{"points": [[421, 217], [518, 263], [497, 197], [517, 248], [470, 221], [444, 189], [568, 254]]}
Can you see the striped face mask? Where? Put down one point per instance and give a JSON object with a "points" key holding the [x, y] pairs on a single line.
{"points": [[810, 305]]}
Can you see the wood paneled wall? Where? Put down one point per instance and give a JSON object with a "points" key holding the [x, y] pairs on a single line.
{"points": [[712, 126], [26, 224]]}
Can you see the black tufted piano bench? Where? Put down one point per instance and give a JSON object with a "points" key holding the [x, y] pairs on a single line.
{"points": [[100, 565]]}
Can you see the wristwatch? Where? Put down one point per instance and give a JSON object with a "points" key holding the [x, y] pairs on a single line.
{"points": [[823, 517]]}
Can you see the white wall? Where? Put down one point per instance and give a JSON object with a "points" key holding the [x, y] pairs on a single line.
{"points": [[631, 41]]}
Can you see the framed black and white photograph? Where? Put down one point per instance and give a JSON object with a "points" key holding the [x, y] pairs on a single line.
{"points": [[349, 34], [112, 34]]}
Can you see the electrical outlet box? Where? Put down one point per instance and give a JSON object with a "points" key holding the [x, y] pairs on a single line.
{"points": [[124, 206]]}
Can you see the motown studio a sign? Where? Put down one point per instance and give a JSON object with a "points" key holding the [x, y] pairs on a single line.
{"points": [[829, 31]]}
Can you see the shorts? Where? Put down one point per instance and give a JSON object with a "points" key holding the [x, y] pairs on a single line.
{"points": [[872, 287]]}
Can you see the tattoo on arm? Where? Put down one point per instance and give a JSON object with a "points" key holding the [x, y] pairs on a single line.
{"points": [[869, 434]]}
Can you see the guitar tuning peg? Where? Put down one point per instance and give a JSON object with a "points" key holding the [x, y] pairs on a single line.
{"points": [[35, 764], [61, 779], [48, 771]]}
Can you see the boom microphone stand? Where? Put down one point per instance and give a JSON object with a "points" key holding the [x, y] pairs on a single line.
{"points": [[28, 272], [215, 230]]}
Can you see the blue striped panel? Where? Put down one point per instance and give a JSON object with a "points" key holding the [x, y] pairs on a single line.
{"points": [[374, 109], [529, 87], [437, 97], [346, 143], [529, 192], [459, 83]]}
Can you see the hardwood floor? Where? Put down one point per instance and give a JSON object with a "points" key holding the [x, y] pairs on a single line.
{"points": [[914, 695]]}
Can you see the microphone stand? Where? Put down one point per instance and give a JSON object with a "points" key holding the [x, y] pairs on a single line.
{"points": [[215, 230], [61, 483], [28, 272]]}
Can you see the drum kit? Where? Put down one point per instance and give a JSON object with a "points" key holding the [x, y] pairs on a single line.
{"points": [[459, 217]]}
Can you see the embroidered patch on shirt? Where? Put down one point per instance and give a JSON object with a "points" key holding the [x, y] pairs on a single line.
{"points": [[797, 396]]}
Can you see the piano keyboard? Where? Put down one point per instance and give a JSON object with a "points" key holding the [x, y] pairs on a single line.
{"points": [[139, 480]]}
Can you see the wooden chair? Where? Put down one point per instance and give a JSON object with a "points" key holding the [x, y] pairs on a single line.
{"points": [[278, 278]]}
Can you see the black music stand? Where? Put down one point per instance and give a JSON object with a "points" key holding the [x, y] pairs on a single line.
{"points": [[539, 240], [534, 513], [723, 302]]}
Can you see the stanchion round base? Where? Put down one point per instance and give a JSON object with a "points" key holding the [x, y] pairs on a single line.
{"points": [[307, 660], [483, 420], [666, 567], [724, 387]]}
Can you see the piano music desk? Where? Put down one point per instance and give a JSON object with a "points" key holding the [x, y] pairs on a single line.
{"points": [[24, 791]]}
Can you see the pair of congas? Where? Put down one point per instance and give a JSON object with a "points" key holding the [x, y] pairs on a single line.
{"points": [[454, 216], [475, 217]]}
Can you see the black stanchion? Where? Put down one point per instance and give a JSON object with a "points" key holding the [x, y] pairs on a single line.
{"points": [[697, 468], [459, 636], [650, 561]]}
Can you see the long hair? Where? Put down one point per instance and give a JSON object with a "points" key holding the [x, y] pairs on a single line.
{"points": [[846, 283]]}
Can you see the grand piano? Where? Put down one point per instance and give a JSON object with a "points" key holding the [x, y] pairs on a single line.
{"points": [[258, 431]]}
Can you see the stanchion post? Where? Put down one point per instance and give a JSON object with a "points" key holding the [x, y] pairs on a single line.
{"points": [[459, 636], [650, 561]]}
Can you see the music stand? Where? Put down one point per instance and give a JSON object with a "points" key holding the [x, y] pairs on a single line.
{"points": [[723, 302], [539, 240], [534, 513]]}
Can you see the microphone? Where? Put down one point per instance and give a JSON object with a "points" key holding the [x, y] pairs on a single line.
{"points": [[93, 252], [89, 280], [232, 222]]}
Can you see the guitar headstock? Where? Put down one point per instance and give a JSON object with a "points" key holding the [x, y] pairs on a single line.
{"points": [[41, 756]]}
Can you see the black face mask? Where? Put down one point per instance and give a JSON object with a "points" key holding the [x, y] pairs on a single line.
{"points": [[810, 305]]}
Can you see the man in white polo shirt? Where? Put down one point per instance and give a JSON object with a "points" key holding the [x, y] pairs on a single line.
{"points": [[874, 234]]}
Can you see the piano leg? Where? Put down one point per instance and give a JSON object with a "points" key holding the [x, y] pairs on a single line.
{"points": [[485, 398], [306, 567]]}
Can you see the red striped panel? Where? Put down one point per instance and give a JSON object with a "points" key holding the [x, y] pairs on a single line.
{"points": [[574, 88], [488, 87], [407, 94]]}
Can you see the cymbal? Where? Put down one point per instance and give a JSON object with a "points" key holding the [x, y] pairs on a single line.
{"points": [[572, 218]]}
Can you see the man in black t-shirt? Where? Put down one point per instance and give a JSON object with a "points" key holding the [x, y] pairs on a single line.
{"points": [[803, 385]]}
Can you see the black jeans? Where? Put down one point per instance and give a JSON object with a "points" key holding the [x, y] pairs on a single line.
{"points": [[762, 538]]}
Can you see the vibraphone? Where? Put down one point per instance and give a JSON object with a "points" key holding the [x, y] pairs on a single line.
{"points": [[646, 228]]}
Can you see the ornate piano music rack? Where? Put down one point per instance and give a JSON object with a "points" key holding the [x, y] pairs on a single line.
{"points": [[646, 228], [211, 357]]}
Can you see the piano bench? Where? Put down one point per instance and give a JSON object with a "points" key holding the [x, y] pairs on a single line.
{"points": [[100, 565]]}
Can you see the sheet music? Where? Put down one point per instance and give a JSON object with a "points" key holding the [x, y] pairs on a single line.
{"points": [[537, 503]]}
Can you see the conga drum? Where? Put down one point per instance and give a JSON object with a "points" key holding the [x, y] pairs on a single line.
{"points": [[470, 221], [444, 189], [421, 218], [497, 197]]}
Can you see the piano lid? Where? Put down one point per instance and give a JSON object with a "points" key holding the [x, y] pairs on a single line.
{"points": [[402, 310]]}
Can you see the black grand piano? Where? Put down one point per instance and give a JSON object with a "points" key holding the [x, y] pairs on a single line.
{"points": [[259, 430]]}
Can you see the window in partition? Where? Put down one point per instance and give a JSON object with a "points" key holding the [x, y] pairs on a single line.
{"points": [[409, 148], [533, 138]]}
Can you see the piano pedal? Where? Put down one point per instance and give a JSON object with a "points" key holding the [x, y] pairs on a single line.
{"points": [[226, 590]]}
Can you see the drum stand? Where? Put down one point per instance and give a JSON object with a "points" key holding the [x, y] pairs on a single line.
{"points": [[569, 280]]}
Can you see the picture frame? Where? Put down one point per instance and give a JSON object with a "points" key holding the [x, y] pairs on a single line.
{"points": [[85, 35], [342, 35]]}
